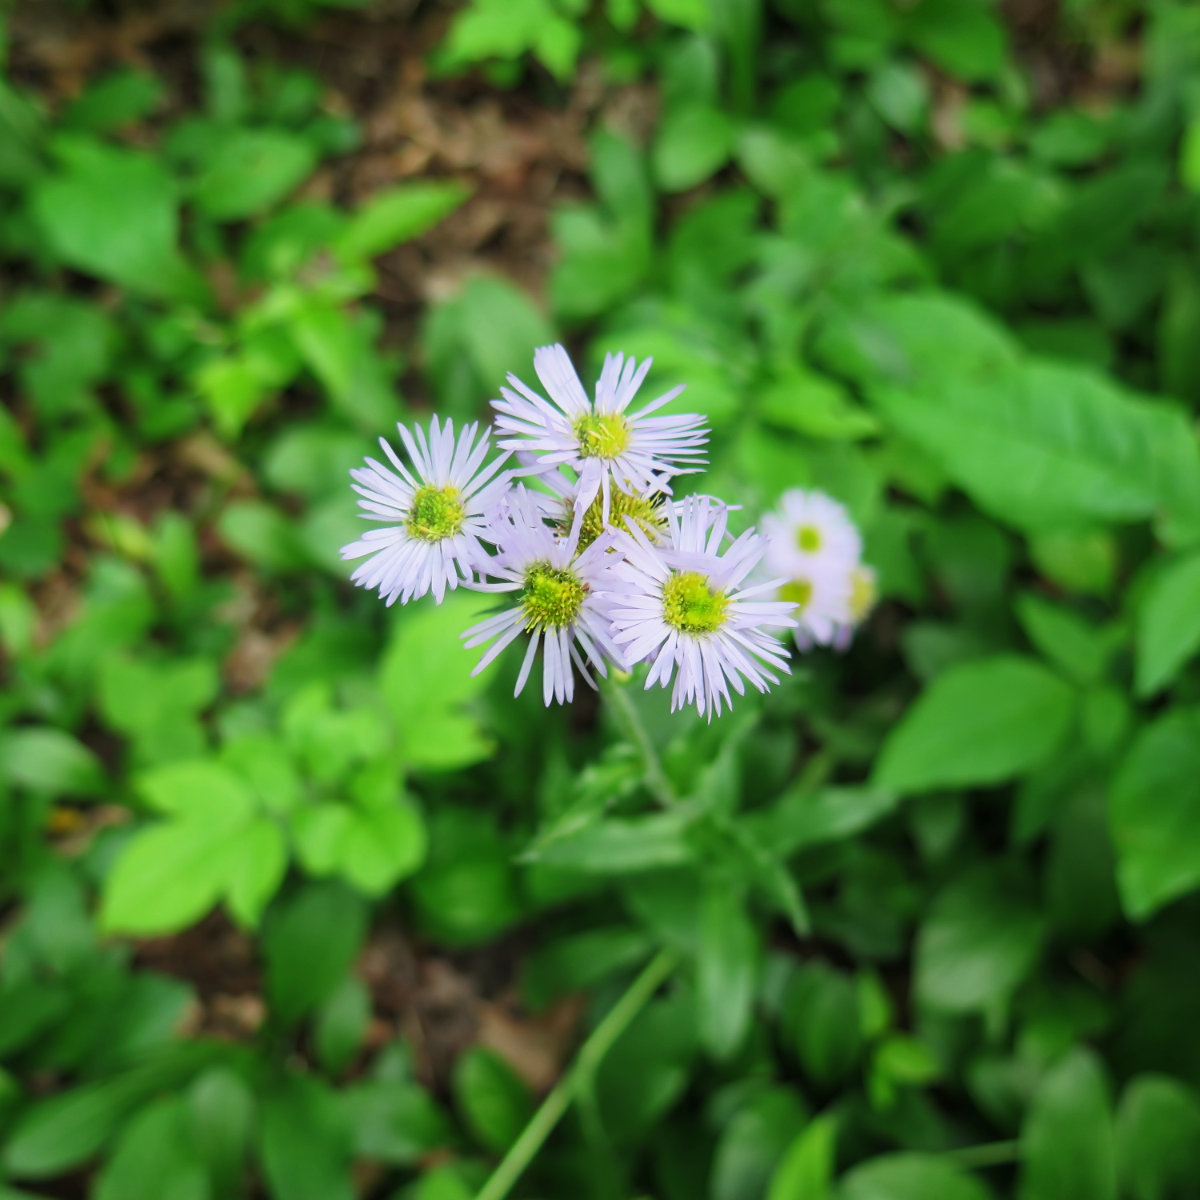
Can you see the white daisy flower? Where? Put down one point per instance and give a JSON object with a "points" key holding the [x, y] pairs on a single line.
{"points": [[810, 529], [559, 604], [864, 591], [604, 445], [435, 512], [681, 607], [561, 509], [820, 594]]}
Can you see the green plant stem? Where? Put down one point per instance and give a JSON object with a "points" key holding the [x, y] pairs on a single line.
{"points": [[991, 1154], [656, 777], [521, 1153]]}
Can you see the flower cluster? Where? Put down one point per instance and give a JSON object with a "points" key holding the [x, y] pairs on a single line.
{"points": [[592, 557], [813, 544]]}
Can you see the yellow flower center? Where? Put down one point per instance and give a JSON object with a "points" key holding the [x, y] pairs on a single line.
{"points": [[551, 597], [798, 591], [645, 511], [808, 538], [690, 605], [602, 435], [436, 513], [863, 593]]}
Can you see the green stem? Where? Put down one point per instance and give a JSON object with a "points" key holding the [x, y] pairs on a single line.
{"points": [[591, 1054], [990, 1155], [656, 777]]}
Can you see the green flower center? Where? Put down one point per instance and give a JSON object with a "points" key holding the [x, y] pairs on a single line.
{"points": [[798, 591], [551, 597], [602, 435], [690, 605], [436, 513], [808, 538], [646, 511]]}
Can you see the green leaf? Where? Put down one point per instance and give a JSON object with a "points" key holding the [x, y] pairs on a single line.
{"points": [[977, 724], [802, 817], [256, 871], [341, 1024], [395, 1121], [395, 216], [250, 170], [152, 1159], [910, 1177], [493, 1100], [617, 845], [198, 788], [981, 938], [304, 1140], [382, 842], [727, 972], [220, 1117], [50, 761], [1152, 814], [1189, 156], [1168, 624], [819, 1017], [1074, 644], [309, 943], [426, 681], [1158, 1139], [1067, 1139], [1037, 445], [693, 142], [753, 1142], [113, 213], [806, 1169]]}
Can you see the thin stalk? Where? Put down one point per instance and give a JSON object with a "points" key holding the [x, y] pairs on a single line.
{"points": [[522, 1152], [656, 777]]}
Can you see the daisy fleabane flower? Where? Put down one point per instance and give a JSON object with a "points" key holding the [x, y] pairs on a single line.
{"points": [[557, 603], [810, 528], [812, 541], [604, 444], [681, 606], [435, 512]]}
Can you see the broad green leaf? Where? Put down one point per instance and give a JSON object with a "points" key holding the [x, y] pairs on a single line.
{"points": [[617, 845], [220, 1118], [395, 1121], [50, 761], [256, 871], [753, 1142], [383, 841], [803, 817], [171, 874], [1067, 1139], [806, 1170], [250, 170], [977, 724], [820, 1020], [493, 1100], [113, 213], [341, 1024], [1168, 624], [1158, 1139], [304, 1141], [1075, 645], [1153, 811], [395, 216], [152, 1158], [910, 1177], [693, 141], [309, 942], [980, 939], [727, 971], [200, 789], [427, 683]]}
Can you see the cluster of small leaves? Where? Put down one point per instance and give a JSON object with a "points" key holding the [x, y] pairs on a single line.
{"points": [[935, 899]]}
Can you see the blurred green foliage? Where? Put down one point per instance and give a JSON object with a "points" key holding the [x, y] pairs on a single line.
{"points": [[934, 901]]}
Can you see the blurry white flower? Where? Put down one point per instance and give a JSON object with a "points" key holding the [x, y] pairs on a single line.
{"points": [[811, 531], [435, 512], [681, 606], [864, 591], [821, 596], [602, 443], [558, 604]]}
